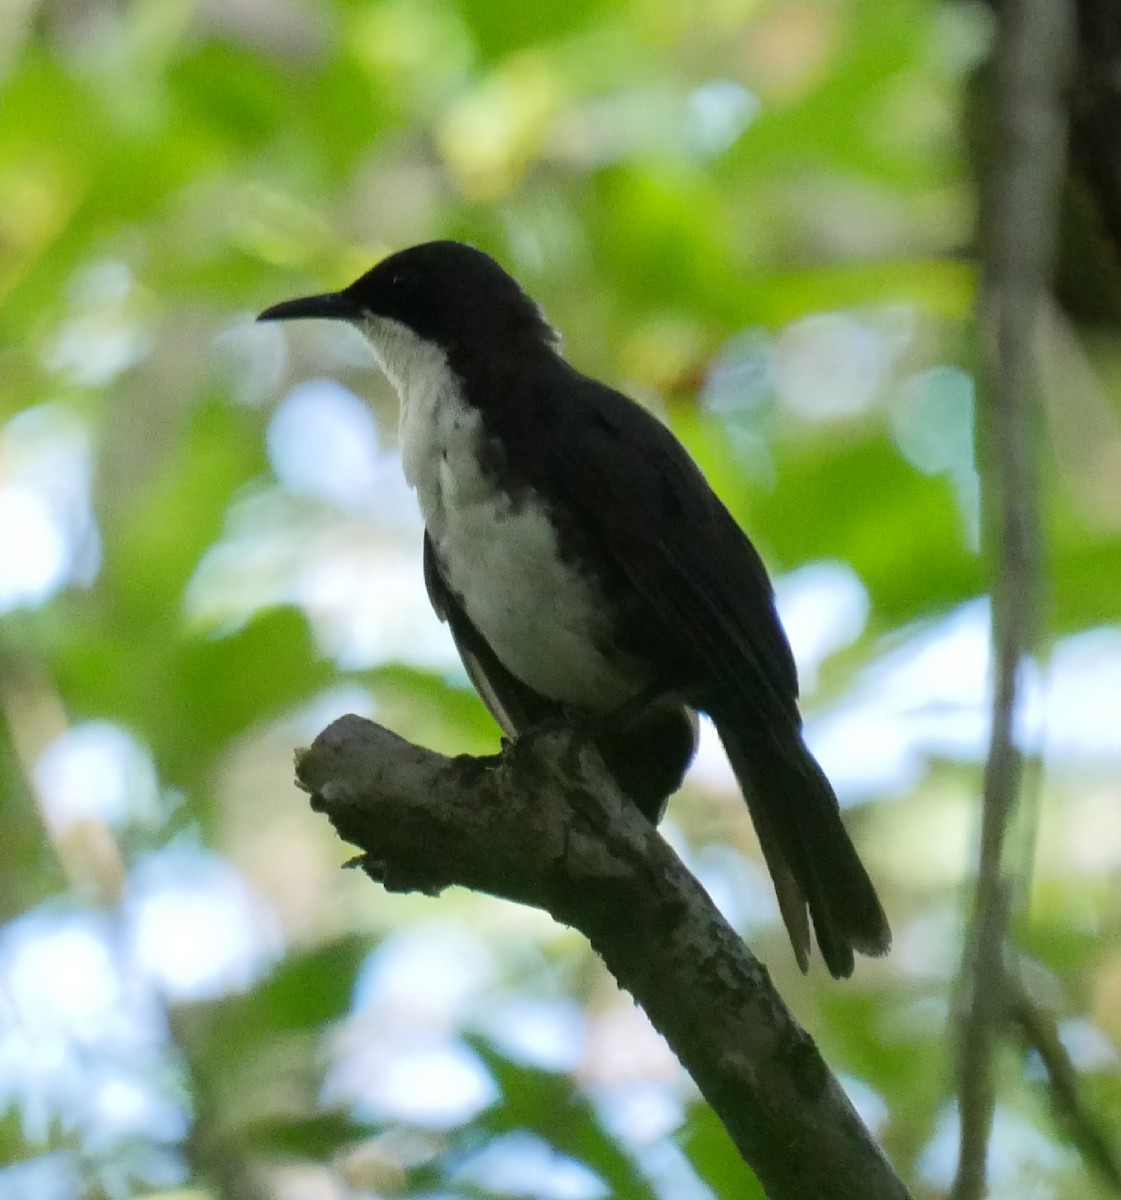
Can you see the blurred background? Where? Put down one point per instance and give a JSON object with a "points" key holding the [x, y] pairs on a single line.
{"points": [[755, 217]]}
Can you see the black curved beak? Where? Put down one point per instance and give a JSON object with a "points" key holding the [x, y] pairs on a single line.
{"points": [[332, 306]]}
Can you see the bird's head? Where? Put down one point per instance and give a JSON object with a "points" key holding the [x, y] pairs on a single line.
{"points": [[440, 295]]}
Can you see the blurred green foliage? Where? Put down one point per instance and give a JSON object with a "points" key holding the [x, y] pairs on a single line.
{"points": [[754, 217]]}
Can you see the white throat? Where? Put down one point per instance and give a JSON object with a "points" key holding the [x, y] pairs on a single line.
{"points": [[401, 354], [431, 407]]}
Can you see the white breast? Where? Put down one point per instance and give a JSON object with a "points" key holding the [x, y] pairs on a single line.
{"points": [[539, 615]]}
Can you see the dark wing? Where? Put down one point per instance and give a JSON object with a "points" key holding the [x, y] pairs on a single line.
{"points": [[643, 509]]}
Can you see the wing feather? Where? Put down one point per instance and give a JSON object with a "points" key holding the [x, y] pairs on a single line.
{"points": [[644, 510]]}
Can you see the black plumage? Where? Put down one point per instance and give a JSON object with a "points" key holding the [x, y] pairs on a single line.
{"points": [[684, 611]]}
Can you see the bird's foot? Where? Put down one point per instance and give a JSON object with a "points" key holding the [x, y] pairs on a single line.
{"points": [[576, 723], [595, 727], [468, 769]]}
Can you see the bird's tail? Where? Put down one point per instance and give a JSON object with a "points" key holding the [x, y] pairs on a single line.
{"points": [[813, 863]]}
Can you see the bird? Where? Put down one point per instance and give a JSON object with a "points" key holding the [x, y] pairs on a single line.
{"points": [[591, 577]]}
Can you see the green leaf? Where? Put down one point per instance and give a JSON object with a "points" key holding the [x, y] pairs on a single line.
{"points": [[553, 1106], [715, 1158], [317, 1138]]}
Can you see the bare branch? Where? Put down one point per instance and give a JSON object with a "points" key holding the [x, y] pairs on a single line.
{"points": [[1018, 229], [544, 825], [1041, 1034]]}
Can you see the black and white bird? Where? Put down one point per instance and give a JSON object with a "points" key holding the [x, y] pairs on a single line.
{"points": [[589, 573]]}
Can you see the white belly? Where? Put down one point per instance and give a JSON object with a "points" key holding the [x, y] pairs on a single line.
{"points": [[538, 615], [542, 618]]}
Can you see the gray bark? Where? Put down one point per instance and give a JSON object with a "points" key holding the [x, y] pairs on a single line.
{"points": [[544, 825]]}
